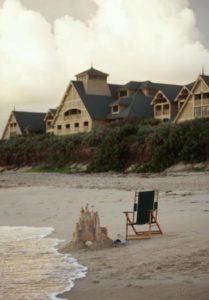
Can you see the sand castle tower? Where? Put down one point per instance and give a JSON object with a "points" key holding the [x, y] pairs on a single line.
{"points": [[88, 232]]}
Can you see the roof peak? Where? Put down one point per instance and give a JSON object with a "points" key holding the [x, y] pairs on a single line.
{"points": [[93, 71]]}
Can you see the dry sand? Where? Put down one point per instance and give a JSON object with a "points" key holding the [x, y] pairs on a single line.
{"points": [[174, 266]]}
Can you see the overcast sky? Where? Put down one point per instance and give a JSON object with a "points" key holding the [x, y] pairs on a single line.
{"points": [[44, 43]]}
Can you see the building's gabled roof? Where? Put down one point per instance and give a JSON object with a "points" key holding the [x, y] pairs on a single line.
{"points": [[139, 107], [206, 79], [30, 121], [96, 105], [170, 91], [94, 72], [188, 87]]}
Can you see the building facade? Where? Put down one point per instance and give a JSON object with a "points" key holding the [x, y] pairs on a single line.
{"points": [[196, 104], [20, 123], [90, 101]]}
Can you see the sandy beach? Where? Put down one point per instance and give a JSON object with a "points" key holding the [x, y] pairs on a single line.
{"points": [[175, 265]]}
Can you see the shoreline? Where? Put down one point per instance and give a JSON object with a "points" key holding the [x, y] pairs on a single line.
{"points": [[173, 265]]}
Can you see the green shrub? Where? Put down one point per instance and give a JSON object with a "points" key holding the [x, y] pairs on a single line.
{"points": [[154, 147]]}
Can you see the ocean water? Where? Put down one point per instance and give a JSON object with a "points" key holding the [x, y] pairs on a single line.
{"points": [[30, 266]]}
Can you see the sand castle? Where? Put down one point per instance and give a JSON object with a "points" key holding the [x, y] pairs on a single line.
{"points": [[88, 232]]}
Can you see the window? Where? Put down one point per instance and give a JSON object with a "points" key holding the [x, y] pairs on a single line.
{"points": [[86, 124], [205, 111], [49, 123], [158, 110], [206, 96], [123, 93], [166, 109], [197, 97], [13, 125], [76, 125], [73, 111], [206, 99], [115, 109], [59, 127], [67, 126]]}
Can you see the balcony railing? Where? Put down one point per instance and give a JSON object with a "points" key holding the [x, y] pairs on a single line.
{"points": [[72, 117], [206, 101], [163, 112], [201, 112], [166, 112]]}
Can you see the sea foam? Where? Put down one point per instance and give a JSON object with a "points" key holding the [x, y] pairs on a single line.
{"points": [[31, 267]]}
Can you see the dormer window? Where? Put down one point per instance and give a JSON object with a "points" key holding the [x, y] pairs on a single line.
{"points": [[123, 93], [115, 109]]}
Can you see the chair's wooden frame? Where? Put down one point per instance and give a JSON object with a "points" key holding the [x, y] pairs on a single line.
{"points": [[130, 221]]}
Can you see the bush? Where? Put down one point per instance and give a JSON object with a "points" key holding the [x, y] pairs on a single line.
{"points": [[153, 147]]}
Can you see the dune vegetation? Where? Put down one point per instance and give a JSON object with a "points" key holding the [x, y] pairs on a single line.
{"points": [[142, 145]]}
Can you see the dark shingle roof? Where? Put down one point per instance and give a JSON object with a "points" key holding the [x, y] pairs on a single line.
{"points": [[114, 88], [206, 79], [30, 121], [94, 72], [132, 85], [139, 107], [190, 85], [170, 91], [53, 110], [125, 101], [96, 105]]}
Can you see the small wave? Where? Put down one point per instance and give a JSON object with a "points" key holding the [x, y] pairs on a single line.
{"points": [[31, 267]]}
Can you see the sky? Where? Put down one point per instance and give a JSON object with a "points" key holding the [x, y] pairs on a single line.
{"points": [[43, 44]]}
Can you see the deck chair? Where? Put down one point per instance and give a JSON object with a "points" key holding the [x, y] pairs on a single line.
{"points": [[144, 212]]}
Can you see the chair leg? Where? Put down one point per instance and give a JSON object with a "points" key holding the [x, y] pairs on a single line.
{"points": [[126, 231], [150, 223], [158, 225], [154, 221]]}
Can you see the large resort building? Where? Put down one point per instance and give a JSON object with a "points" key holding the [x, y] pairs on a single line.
{"points": [[90, 101]]}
